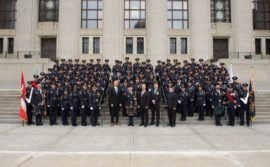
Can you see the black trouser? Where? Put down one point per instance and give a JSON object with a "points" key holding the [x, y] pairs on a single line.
{"points": [[115, 113], [244, 108], [144, 116], [172, 116], [29, 113], [64, 115], [184, 111], [231, 115], [53, 115], [94, 116], [190, 108], [84, 114], [130, 119], [38, 119], [74, 113], [155, 110], [201, 112], [209, 111], [217, 118]]}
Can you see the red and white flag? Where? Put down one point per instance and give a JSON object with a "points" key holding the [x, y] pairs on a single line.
{"points": [[23, 108]]}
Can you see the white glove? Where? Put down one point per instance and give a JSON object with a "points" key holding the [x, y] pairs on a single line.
{"points": [[91, 108], [48, 105], [179, 101], [149, 90], [239, 106], [82, 106], [235, 107], [210, 99], [71, 108], [99, 108], [204, 105], [191, 99], [62, 109]]}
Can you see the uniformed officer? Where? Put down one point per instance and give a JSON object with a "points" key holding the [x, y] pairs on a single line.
{"points": [[65, 106], [28, 97], [183, 101], [84, 101], [130, 104], [74, 105], [155, 107], [38, 103], [94, 106], [200, 102], [191, 95], [244, 105], [52, 100], [218, 104], [232, 104]]}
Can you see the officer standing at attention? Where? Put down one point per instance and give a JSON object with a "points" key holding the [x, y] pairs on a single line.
{"points": [[131, 104], [84, 96], [218, 104], [232, 103], [244, 105], [155, 100], [201, 102], [38, 103], [52, 99], [74, 105], [183, 101], [29, 92], [65, 106], [94, 106]]}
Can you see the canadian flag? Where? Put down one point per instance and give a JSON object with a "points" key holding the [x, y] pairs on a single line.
{"points": [[23, 108]]}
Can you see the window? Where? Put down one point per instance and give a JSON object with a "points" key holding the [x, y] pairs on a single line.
{"points": [[48, 10], [178, 14], [183, 45], [261, 14], [140, 46], [85, 45], [96, 43], [172, 45], [135, 14], [267, 45], [10, 45], [221, 11], [129, 45], [258, 46], [8, 11], [92, 14], [1, 45]]}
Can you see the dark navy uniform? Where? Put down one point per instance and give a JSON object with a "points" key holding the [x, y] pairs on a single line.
{"points": [[232, 104], [244, 106], [201, 104], [183, 100], [52, 99], [74, 106], [84, 101], [29, 91], [65, 107], [38, 104], [172, 104], [94, 107]]}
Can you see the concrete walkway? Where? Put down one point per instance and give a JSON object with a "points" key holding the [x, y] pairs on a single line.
{"points": [[185, 145]]}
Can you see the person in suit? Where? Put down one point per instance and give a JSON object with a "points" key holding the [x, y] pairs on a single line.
{"points": [[172, 104], [115, 102], [155, 107], [143, 104], [29, 91]]}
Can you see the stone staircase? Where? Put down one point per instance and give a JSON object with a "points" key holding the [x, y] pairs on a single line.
{"points": [[10, 101]]}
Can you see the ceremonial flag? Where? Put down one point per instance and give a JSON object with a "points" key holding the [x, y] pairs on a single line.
{"points": [[36, 69], [252, 99], [23, 108], [231, 74]]}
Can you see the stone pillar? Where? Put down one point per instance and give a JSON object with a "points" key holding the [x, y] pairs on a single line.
{"points": [[69, 25], [113, 12], [242, 23], [156, 29], [201, 28]]}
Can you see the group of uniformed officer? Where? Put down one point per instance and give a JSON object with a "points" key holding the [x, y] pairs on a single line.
{"points": [[77, 89]]}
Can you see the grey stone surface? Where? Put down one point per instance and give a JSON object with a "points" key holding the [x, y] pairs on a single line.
{"points": [[185, 145]]}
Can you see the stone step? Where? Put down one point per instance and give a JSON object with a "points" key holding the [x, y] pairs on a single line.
{"points": [[10, 98]]}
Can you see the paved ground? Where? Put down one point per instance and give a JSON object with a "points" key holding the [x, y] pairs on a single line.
{"points": [[185, 145]]}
